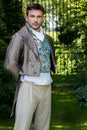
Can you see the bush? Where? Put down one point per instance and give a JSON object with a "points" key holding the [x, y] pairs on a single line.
{"points": [[6, 98], [81, 95], [3, 47], [5, 111], [7, 88]]}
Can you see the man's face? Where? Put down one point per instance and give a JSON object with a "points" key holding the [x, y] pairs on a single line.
{"points": [[35, 19]]}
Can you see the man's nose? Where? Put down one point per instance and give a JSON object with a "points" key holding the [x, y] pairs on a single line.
{"points": [[35, 19]]}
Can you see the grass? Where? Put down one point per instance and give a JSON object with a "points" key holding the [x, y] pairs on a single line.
{"points": [[66, 112], [6, 124]]}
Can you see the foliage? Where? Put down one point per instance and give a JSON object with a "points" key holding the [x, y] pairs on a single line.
{"points": [[3, 47], [12, 17], [7, 87], [81, 95], [72, 16], [72, 28]]}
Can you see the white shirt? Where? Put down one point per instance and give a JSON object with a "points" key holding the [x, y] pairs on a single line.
{"points": [[43, 79]]}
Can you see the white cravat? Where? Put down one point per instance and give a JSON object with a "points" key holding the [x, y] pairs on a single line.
{"points": [[39, 35]]}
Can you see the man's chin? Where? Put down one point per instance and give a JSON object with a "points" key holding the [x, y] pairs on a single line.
{"points": [[36, 28]]}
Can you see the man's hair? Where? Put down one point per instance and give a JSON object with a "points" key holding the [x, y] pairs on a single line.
{"points": [[34, 6]]}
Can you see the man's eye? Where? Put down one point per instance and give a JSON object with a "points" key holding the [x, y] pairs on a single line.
{"points": [[32, 16], [39, 16]]}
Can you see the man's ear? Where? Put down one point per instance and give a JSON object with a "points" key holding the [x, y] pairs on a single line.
{"points": [[43, 17]]}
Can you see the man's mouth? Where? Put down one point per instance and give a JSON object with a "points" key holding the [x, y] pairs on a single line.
{"points": [[35, 24]]}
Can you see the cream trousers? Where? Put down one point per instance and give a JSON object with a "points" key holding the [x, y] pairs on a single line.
{"points": [[33, 101]]}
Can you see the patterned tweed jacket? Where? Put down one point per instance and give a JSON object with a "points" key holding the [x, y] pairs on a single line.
{"points": [[22, 57]]}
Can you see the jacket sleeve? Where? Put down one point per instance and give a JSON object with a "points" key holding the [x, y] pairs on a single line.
{"points": [[53, 59], [12, 55]]}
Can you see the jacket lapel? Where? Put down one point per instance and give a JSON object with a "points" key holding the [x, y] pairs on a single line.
{"points": [[30, 43]]}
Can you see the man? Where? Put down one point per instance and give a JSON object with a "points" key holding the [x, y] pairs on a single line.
{"points": [[30, 58]]}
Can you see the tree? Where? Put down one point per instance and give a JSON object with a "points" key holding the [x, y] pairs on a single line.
{"points": [[12, 17]]}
